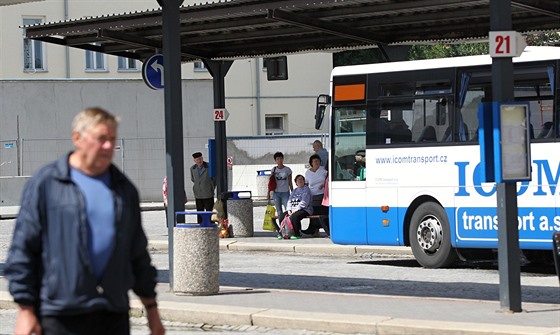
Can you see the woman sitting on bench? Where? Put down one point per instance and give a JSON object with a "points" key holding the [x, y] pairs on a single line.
{"points": [[299, 206]]}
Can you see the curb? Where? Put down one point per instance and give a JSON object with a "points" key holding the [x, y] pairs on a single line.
{"points": [[313, 321], [333, 249], [327, 322]]}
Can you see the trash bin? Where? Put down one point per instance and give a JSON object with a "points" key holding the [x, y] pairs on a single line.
{"points": [[263, 176], [196, 259], [239, 206]]}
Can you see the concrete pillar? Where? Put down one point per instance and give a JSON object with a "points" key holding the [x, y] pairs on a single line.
{"points": [[240, 213], [197, 260]]}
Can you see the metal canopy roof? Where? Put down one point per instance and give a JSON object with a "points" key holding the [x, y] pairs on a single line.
{"points": [[15, 2], [235, 29]]}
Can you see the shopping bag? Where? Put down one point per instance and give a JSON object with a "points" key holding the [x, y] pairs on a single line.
{"points": [[224, 228], [219, 208], [272, 181], [267, 223], [287, 228], [325, 201]]}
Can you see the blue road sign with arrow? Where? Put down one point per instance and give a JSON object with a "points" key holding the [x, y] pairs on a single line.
{"points": [[152, 72]]}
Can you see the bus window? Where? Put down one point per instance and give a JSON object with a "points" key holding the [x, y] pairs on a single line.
{"points": [[469, 112], [531, 85], [390, 123], [428, 124], [539, 95], [349, 140]]}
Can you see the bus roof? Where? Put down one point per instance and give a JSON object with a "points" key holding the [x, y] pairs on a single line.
{"points": [[529, 54]]}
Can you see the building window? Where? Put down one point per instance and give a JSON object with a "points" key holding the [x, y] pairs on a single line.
{"points": [[33, 51], [199, 67], [95, 61], [128, 64], [274, 125]]}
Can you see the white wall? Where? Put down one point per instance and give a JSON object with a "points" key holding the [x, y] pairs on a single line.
{"points": [[249, 96], [295, 98], [41, 113]]}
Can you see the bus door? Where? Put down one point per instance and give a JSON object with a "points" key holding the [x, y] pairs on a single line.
{"points": [[389, 130], [347, 198]]}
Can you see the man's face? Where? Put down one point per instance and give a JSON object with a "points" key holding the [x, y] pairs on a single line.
{"points": [[198, 161], [315, 147], [95, 147]]}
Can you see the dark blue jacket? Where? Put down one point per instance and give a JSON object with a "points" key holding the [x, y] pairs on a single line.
{"points": [[48, 262]]}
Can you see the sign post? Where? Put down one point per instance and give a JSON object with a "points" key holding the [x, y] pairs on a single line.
{"points": [[502, 50], [220, 114], [506, 44], [152, 72]]}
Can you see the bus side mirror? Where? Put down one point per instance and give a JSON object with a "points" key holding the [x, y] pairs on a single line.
{"points": [[441, 112], [323, 101]]}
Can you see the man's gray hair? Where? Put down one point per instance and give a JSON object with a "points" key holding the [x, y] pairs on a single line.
{"points": [[92, 116]]}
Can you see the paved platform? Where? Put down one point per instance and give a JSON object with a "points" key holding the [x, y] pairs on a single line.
{"points": [[333, 311]]}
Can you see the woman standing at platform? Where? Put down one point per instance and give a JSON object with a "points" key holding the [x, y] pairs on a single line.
{"points": [[284, 186]]}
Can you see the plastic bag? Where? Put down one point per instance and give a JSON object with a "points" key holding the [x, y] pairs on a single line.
{"points": [[225, 229], [287, 228], [219, 208], [325, 201], [267, 223]]}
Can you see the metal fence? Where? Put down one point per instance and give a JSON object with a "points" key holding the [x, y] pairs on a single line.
{"points": [[9, 158], [143, 159]]}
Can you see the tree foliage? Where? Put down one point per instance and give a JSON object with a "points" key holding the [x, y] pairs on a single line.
{"points": [[367, 56], [355, 57], [550, 38], [447, 50]]}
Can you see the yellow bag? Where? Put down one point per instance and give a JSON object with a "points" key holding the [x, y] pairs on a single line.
{"points": [[268, 224], [218, 207]]}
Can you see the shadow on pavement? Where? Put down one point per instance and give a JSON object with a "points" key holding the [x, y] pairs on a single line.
{"points": [[529, 269], [427, 289]]}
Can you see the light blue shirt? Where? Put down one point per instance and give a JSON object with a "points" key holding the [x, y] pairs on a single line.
{"points": [[100, 214]]}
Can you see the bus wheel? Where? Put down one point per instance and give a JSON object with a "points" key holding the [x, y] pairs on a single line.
{"points": [[430, 237]]}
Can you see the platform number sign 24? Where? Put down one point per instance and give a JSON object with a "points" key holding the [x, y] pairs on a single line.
{"points": [[506, 43], [220, 114]]}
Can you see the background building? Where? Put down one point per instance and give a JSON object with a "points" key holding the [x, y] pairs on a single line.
{"points": [[256, 106], [43, 85]]}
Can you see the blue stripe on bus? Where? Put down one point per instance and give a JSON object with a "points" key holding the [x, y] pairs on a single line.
{"points": [[475, 227]]}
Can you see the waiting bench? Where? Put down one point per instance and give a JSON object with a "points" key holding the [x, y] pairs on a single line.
{"points": [[323, 221]]}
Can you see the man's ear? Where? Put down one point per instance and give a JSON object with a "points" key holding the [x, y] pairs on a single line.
{"points": [[76, 137]]}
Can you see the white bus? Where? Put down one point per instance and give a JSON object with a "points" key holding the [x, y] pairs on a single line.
{"points": [[405, 157]]}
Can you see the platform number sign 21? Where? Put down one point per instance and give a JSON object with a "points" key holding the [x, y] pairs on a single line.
{"points": [[220, 114], [506, 43]]}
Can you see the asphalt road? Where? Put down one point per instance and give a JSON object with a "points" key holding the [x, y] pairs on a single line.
{"points": [[332, 274]]}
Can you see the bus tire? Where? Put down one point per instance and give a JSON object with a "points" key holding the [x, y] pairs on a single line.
{"points": [[430, 237]]}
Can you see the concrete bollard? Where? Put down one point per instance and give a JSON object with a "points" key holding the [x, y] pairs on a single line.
{"points": [[263, 176], [240, 213], [196, 262]]}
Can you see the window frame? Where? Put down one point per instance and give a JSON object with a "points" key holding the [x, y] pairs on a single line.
{"points": [[33, 44], [275, 131], [94, 59], [126, 61], [199, 66]]}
